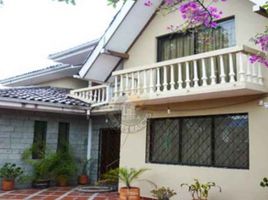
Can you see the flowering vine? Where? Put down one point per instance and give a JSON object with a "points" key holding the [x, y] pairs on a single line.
{"points": [[261, 40]]}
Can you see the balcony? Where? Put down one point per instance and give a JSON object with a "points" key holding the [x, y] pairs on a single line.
{"points": [[95, 95], [216, 74]]}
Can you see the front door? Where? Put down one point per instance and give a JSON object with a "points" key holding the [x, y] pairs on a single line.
{"points": [[109, 150]]}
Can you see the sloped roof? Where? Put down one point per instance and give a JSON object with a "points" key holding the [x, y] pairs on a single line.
{"points": [[41, 75], [42, 95]]}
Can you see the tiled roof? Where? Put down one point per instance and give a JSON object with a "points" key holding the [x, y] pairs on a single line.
{"points": [[42, 94]]}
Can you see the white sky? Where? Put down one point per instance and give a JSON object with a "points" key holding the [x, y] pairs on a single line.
{"points": [[30, 30]]}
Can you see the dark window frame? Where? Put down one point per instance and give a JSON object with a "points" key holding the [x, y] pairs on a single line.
{"points": [[180, 34], [35, 148], [149, 133]]}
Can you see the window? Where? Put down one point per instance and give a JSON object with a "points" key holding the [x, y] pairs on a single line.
{"points": [[184, 44], [39, 140], [63, 136], [217, 141]]}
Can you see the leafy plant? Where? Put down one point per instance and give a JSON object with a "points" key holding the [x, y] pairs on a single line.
{"points": [[125, 175], [64, 164], [10, 171], [199, 190], [42, 168], [163, 193], [264, 182]]}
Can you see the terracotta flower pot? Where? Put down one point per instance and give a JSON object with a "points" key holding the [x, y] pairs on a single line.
{"points": [[83, 180], [7, 185], [132, 193], [62, 181]]}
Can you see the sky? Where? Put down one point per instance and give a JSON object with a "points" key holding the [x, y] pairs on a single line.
{"points": [[30, 30]]}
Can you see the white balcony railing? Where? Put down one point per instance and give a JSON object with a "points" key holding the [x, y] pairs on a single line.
{"points": [[215, 71], [95, 95]]}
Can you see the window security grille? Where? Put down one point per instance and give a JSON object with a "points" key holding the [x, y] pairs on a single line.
{"points": [[217, 141]]}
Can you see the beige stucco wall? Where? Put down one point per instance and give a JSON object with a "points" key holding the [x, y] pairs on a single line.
{"points": [[68, 82], [247, 24], [236, 184]]}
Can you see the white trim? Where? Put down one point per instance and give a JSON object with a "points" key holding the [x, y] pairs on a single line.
{"points": [[106, 37]]}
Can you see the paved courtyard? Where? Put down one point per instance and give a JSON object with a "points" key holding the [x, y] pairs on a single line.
{"points": [[56, 193]]}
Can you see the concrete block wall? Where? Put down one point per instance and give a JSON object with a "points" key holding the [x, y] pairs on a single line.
{"points": [[17, 131]]}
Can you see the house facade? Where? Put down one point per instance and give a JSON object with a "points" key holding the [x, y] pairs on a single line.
{"points": [[181, 105], [190, 109]]}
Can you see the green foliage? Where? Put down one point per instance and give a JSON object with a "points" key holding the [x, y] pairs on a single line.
{"points": [[125, 175], [42, 168], [64, 164], [114, 3], [10, 171], [200, 190], [163, 193], [264, 182]]}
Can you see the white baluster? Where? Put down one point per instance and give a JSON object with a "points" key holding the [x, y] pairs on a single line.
{"points": [[95, 96], [90, 95], [99, 95], [127, 85], [151, 81], [158, 84], [144, 82], [187, 79], [172, 82], [212, 69], [249, 71], [115, 87], [240, 66], [138, 83], [121, 85], [103, 94], [132, 84], [180, 81], [231, 67], [260, 78], [254, 73], [222, 75], [204, 73], [165, 84], [195, 74]]}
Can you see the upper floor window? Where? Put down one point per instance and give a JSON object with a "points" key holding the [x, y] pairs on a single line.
{"points": [[218, 141], [184, 44], [63, 136], [39, 140]]}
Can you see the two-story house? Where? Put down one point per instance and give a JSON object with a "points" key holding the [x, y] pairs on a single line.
{"points": [[191, 108], [174, 103]]}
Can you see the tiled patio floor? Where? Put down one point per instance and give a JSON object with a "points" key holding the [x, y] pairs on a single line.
{"points": [[56, 193]]}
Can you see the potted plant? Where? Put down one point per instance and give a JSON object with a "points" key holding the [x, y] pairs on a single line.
{"points": [[42, 168], [126, 176], [83, 179], [199, 191], [163, 193], [9, 172], [64, 167]]}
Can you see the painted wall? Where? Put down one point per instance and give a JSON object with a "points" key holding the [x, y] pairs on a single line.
{"points": [[247, 24], [236, 183], [17, 131], [70, 83]]}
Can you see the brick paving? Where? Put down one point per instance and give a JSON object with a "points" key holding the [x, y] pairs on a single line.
{"points": [[57, 193]]}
